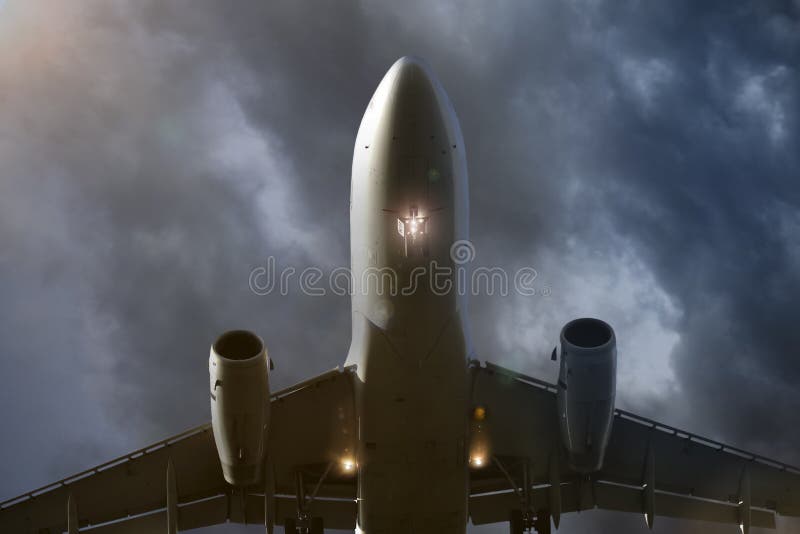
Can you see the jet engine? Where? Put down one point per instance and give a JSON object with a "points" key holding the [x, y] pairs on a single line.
{"points": [[240, 404], [587, 383]]}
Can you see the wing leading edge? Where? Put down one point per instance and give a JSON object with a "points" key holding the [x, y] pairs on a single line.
{"points": [[649, 468]]}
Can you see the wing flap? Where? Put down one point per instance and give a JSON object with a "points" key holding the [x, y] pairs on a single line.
{"points": [[128, 486], [629, 499], [495, 507], [203, 513], [690, 465]]}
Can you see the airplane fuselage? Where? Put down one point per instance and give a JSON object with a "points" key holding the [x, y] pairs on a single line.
{"points": [[408, 207]]}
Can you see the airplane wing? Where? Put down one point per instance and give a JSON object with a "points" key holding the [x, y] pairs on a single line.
{"points": [[649, 468], [130, 494]]}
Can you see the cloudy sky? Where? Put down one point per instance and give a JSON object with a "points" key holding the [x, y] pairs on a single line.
{"points": [[643, 157]]}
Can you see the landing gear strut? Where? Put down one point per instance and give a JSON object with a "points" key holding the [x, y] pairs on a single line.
{"points": [[305, 523], [524, 519]]}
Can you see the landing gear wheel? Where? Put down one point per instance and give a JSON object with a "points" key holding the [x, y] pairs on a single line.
{"points": [[542, 524], [290, 526], [516, 522], [317, 526]]}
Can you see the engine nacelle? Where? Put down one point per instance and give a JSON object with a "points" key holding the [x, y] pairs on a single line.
{"points": [[587, 384], [238, 368]]}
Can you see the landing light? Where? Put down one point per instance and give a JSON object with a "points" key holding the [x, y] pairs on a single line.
{"points": [[348, 464], [412, 226], [476, 461]]}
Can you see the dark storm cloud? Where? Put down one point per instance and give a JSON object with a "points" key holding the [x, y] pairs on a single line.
{"points": [[137, 197], [643, 158], [701, 175]]}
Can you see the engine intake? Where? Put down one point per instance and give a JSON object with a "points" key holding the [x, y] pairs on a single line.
{"points": [[587, 383], [238, 369]]}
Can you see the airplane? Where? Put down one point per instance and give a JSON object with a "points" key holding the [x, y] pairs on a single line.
{"points": [[412, 434]]}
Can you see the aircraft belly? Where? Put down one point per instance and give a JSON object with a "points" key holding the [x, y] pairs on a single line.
{"points": [[417, 489], [413, 465]]}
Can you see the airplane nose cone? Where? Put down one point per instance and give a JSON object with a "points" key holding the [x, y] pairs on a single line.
{"points": [[411, 73], [414, 109], [411, 62], [413, 89], [409, 137], [408, 107]]}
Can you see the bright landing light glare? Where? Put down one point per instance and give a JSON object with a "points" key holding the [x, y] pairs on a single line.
{"points": [[348, 464], [476, 461]]}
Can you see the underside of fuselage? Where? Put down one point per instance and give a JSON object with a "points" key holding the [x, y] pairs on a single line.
{"points": [[408, 207]]}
